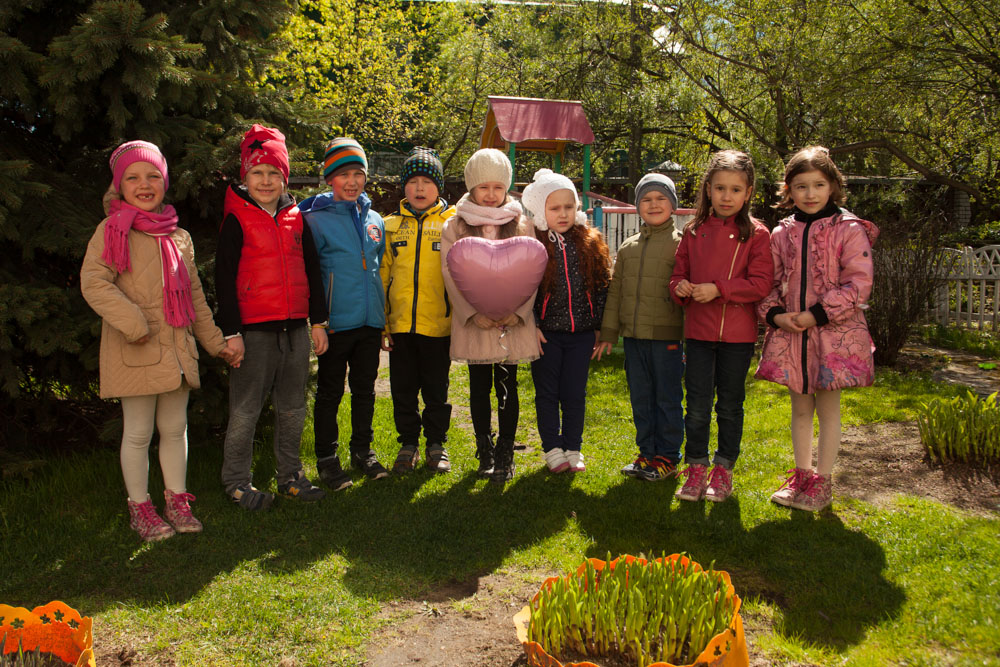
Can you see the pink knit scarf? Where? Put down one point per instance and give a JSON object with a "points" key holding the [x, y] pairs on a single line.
{"points": [[178, 308], [476, 216]]}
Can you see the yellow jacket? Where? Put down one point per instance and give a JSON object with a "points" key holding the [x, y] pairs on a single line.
{"points": [[415, 296]]}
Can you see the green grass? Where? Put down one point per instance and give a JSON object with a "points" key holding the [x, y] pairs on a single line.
{"points": [[913, 583], [968, 340]]}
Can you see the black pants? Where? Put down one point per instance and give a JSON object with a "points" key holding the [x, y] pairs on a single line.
{"points": [[419, 364], [353, 354], [560, 377], [503, 377]]}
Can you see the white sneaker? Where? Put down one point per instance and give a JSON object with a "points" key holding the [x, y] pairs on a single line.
{"points": [[575, 458], [556, 460]]}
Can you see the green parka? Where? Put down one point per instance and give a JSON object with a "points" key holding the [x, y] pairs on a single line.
{"points": [[639, 303]]}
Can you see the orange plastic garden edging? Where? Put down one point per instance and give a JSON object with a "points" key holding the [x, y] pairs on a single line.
{"points": [[726, 649], [54, 628]]}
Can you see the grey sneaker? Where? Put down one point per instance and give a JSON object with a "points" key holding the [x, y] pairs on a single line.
{"points": [[300, 488], [331, 474], [250, 498], [437, 458], [406, 460], [368, 464]]}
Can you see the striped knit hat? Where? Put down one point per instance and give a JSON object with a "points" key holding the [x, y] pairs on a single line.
{"points": [[341, 153], [423, 161], [136, 151]]}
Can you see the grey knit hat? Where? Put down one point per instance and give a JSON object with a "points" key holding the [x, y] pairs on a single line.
{"points": [[655, 181]]}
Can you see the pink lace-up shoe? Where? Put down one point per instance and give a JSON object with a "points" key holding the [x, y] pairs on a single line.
{"points": [[793, 486], [720, 484], [178, 512], [817, 494], [145, 521], [697, 482]]}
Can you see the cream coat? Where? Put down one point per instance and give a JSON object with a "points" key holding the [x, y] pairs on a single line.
{"points": [[473, 345], [131, 306]]}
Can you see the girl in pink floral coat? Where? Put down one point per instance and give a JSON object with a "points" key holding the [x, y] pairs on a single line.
{"points": [[817, 341]]}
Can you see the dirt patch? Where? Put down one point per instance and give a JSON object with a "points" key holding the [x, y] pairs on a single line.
{"points": [[879, 461], [951, 367]]}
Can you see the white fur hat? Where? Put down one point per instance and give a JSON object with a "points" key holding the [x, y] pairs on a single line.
{"points": [[487, 165], [537, 192]]}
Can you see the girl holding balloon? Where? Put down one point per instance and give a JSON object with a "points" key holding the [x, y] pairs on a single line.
{"points": [[568, 309], [490, 332]]}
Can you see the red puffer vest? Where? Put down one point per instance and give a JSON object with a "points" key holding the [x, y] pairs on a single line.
{"points": [[271, 281]]}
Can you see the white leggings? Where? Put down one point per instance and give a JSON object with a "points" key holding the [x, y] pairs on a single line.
{"points": [[168, 412], [826, 405]]}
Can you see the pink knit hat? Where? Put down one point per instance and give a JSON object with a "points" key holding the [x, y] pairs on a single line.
{"points": [[137, 151]]}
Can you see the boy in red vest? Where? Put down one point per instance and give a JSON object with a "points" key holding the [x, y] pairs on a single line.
{"points": [[268, 285]]}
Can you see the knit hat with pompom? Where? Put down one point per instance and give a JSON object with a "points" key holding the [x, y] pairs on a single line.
{"points": [[537, 193]]}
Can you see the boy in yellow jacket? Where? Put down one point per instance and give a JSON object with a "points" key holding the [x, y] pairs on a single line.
{"points": [[418, 315]]}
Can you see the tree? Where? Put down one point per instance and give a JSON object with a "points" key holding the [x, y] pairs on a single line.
{"points": [[76, 79]]}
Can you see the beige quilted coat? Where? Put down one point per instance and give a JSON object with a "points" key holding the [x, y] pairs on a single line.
{"points": [[131, 306]]}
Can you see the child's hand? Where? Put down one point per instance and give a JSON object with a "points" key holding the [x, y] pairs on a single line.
{"points": [[387, 341], [704, 292], [599, 349], [511, 320], [541, 339], [786, 321], [320, 340], [235, 349], [805, 319], [483, 322], [684, 288]]}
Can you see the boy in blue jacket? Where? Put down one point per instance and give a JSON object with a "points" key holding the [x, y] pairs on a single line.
{"points": [[350, 240]]}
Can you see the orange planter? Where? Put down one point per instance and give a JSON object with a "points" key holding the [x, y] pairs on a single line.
{"points": [[54, 628], [726, 649]]}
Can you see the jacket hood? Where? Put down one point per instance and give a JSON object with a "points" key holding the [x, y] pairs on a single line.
{"points": [[404, 209], [325, 200]]}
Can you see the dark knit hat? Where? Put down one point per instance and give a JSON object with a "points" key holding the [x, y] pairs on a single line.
{"points": [[423, 161], [341, 153], [659, 182], [263, 145], [136, 151]]}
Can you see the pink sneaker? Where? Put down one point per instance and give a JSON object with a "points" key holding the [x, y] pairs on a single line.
{"points": [[720, 484], [793, 486], [178, 512], [145, 521], [697, 482], [556, 459], [575, 458], [817, 494]]}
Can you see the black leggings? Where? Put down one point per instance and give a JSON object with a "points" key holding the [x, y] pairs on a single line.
{"points": [[504, 378]]}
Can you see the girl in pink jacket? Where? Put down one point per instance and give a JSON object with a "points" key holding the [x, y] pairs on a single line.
{"points": [[722, 269], [817, 340]]}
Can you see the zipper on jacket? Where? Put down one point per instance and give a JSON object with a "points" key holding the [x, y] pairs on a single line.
{"points": [[545, 304], [569, 290], [722, 322], [416, 273], [642, 260], [591, 304], [364, 260], [284, 266], [802, 306], [388, 302], [329, 299]]}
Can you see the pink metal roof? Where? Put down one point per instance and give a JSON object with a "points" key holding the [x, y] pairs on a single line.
{"points": [[522, 119]]}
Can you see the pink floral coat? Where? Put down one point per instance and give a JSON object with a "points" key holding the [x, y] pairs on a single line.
{"points": [[839, 278]]}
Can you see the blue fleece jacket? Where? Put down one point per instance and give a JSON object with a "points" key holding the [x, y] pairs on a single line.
{"points": [[350, 240]]}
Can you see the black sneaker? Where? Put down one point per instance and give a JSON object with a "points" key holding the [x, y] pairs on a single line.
{"points": [[406, 460], [437, 458], [369, 465], [331, 474], [250, 498], [300, 488]]}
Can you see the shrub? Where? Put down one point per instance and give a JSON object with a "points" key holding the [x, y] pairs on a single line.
{"points": [[963, 428]]}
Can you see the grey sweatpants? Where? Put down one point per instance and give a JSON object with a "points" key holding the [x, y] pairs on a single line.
{"points": [[275, 363]]}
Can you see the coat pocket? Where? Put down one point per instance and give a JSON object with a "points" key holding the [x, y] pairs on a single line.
{"points": [[144, 354]]}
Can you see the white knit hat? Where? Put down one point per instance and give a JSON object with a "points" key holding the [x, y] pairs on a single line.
{"points": [[537, 193], [487, 165]]}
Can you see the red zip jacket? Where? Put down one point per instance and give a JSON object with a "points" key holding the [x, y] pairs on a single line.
{"points": [[743, 272]]}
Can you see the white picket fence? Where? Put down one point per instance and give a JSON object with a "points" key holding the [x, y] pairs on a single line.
{"points": [[969, 295], [620, 221]]}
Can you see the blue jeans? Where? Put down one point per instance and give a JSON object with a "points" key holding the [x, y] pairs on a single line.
{"points": [[715, 370], [654, 369], [560, 377]]}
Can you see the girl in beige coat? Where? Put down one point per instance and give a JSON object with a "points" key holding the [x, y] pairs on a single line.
{"points": [[139, 275], [491, 348]]}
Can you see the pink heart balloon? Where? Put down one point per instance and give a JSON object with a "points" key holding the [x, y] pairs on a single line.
{"points": [[497, 276]]}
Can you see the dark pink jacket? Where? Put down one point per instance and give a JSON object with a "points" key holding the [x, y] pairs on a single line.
{"points": [[825, 267], [741, 271]]}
